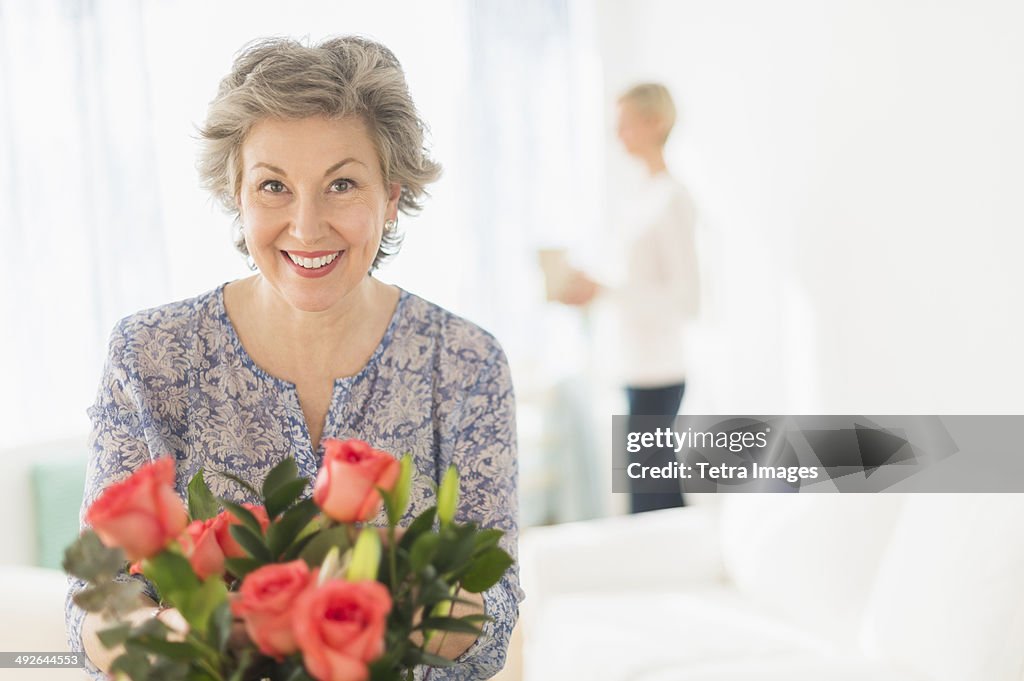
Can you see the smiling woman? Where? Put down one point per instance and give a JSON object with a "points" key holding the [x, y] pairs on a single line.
{"points": [[315, 150]]}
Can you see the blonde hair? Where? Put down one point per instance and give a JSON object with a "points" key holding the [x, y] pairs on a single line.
{"points": [[340, 77], [653, 99]]}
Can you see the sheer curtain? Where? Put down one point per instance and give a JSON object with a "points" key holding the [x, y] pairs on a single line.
{"points": [[81, 217]]}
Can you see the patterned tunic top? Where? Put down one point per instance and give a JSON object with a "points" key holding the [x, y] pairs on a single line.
{"points": [[178, 382]]}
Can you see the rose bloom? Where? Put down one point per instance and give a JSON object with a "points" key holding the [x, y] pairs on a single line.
{"points": [[265, 602], [340, 627], [140, 514], [225, 519], [345, 485], [207, 543]]}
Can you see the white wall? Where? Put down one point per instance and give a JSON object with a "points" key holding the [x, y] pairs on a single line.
{"points": [[859, 165]]}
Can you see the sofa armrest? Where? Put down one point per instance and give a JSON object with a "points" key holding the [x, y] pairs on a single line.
{"points": [[661, 550]]}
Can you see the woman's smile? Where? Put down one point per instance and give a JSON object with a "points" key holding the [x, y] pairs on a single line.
{"points": [[312, 264]]}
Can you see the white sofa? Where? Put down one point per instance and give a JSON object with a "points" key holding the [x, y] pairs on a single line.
{"points": [[31, 597], [821, 587]]}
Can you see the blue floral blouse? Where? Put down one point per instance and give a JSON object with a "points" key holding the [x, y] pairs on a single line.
{"points": [[178, 382]]}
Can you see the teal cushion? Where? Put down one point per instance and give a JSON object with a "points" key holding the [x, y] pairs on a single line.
{"points": [[57, 489]]}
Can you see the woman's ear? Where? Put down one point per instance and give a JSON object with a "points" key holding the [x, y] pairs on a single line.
{"points": [[394, 193]]}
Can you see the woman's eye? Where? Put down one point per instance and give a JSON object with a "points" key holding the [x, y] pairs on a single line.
{"points": [[341, 185], [273, 186]]}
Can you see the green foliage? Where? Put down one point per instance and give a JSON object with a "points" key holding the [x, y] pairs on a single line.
{"points": [[88, 559], [316, 550], [397, 500], [486, 569], [202, 505], [448, 496], [425, 568]]}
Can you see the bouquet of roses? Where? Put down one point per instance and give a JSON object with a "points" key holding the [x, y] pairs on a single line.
{"points": [[319, 594]]}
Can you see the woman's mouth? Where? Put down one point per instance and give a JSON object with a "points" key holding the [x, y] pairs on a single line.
{"points": [[312, 264]]}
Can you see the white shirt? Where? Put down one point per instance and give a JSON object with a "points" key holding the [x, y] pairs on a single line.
{"points": [[660, 287]]}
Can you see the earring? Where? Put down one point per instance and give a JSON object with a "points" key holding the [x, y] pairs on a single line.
{"points": [[389, 225]]}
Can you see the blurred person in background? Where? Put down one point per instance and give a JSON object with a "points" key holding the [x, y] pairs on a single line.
{"points": [[659, 291]]}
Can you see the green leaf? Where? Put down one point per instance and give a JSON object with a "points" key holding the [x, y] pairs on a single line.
{"points": [[201, 503], [171, 573], [283, 532], [317, 549], [251, 541], [134, 663], [114, 636], [423, 551], [486, 570], [297, 547], [175, 650], [240, 567], [198, 605], [114, 597], [284, 472], [449, 624], [170, 670], [244, 516], [243, 666], [433, 592], [220, 626], [283, 496], [397, 500], [456, 549], [485, 539], [90, 560], [424, 522], [448, 496]]}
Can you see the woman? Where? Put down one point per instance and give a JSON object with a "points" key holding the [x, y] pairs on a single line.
{"points": [[660, 290], [315, 150]]}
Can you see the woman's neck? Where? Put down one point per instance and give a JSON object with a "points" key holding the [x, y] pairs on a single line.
{"points": [[333, 341], [654, 160]]}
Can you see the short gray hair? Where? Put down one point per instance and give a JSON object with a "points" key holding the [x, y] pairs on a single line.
{"points": [[340, 77]]}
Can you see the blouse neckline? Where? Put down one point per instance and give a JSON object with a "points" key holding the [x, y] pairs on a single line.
{"points": [[250, 363]]}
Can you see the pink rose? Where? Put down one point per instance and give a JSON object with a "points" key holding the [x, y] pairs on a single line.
{"points": [[340, 628], [141, 514], [225, 519], [207, 543], [199, 543], [345, 485], [265, 602]]}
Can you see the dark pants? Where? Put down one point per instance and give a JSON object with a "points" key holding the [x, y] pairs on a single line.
{"points": [[665, 402]]}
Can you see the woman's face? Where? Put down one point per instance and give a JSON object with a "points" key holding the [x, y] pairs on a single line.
{"points": [[638, 132], [313, 205]]}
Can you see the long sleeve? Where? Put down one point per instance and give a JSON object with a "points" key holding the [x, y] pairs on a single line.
{"points": [[118, 447], [664, 276], [485, 454]]}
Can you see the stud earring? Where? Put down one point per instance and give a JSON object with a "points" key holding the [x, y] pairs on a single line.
{"points": [[389, 225]]}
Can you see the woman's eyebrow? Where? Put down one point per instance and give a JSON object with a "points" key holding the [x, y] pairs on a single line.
{"points": [[327, 172], [261, 164], [339, 164]]}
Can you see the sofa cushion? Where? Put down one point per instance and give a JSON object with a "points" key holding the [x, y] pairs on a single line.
{"points": [[702, 634], [57, 488], [812, 558], [949, 600]]}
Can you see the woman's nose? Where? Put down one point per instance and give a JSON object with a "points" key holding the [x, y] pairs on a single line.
{"points": [[308, 223]]}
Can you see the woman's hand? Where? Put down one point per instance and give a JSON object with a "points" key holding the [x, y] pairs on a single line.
{"points": [[579, 290]]}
